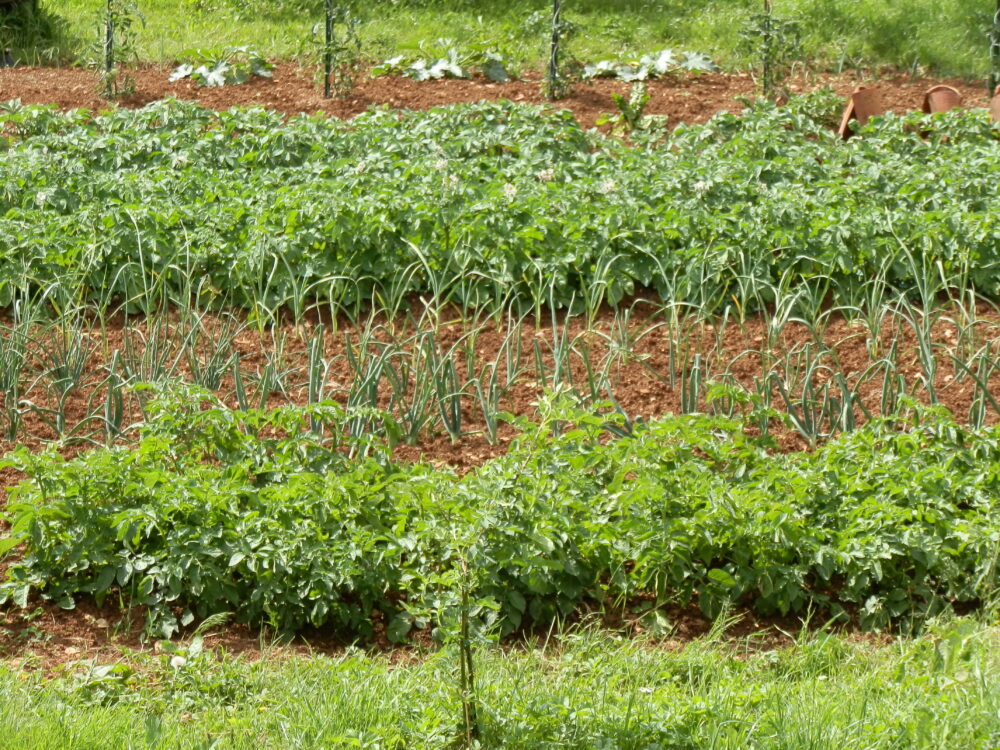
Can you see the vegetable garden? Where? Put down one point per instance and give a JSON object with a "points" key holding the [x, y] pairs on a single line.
{"points": [[456, 378]]}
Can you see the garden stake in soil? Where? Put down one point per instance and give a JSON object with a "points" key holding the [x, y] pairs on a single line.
{"points": [[328, 50], [555, 87], [767, 38], [467, 675], [994, 78], [109, 46]]}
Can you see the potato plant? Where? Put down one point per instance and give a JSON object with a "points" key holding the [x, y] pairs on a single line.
{"points": [[255, 513], [272, 213]]}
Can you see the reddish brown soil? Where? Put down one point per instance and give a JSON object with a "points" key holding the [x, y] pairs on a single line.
{"points": [[739, 349], [54, 640], [293, 89], [642, 356]]}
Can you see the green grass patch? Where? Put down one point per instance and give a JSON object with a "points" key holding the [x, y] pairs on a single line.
{"points": [[942, 37], [587, 689]]}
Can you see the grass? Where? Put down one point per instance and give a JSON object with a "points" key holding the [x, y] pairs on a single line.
{"points": [[592, 690], [934, 36]]}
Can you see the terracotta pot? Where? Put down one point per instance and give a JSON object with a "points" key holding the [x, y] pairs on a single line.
{"points": [[941, 99], [995, 106], [864, 104]]}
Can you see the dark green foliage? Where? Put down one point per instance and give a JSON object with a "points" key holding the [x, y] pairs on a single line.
{"points": [[33, 34], [478, 201], [208, 514]]}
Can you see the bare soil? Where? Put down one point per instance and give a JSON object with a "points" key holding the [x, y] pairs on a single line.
{"points": [[293, 89], [57, 641], [643, 361]]}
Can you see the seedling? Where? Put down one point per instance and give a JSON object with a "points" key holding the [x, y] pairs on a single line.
{"points": [[631, 113]]}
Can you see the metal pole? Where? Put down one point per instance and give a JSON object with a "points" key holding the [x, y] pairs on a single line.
{"points": [[994, 80], [554, 56], [109, 38], [328, 50], [766, 49]]}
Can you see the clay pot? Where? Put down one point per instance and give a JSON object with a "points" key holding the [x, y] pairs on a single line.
{"points": [[941, 99], [864, 104], [995, 106]]}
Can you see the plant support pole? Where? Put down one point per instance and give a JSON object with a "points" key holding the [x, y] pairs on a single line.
{"points": [[766, 48], [554, 56], [109, 38], [467, 677], [994, 79], [328, 50]]}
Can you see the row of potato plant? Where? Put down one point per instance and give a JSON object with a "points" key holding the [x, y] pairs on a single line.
{"points": [[288, 518], [487, 200]]}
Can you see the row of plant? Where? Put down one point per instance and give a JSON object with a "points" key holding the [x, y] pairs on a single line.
{"points": [[66, 373], [299, 517], [770, 39], [337, 47], [863, 35], [487, 200]]}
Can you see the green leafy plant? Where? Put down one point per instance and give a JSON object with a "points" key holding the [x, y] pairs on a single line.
{"points": [[446, 59], [563, 201], [657, 65], [263, 514], [776, 44], [631, 113], [223, 66], [116, 47], [423, 69]]}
